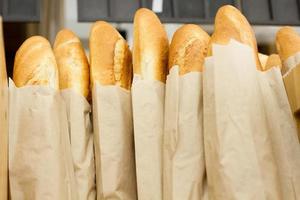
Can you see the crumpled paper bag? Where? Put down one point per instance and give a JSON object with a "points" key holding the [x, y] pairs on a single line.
{"points": [[148, 98], [291, 77], [82, 143], [40, 160], [114, 147], [239, 155], [184, 163], [283, 131]]}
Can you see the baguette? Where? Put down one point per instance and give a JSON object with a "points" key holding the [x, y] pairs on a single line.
{"points": [[287, 42], [273, 61], [35, 64], [230, 23], [150, 46], [110, 57], [72, 63], [188, 49]]}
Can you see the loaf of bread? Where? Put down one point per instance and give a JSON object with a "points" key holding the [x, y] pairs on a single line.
{"points": [[188, 49], [35, 64], [287, 42], [110, 57], [73, 67], [150, 46], [231, 24]]}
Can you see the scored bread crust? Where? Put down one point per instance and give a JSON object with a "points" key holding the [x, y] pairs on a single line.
{"points": [[273, 61], [287, 42], [35, 64], [72, 62], [230, 23], [150, 46], [110, 57], [188, 49]]}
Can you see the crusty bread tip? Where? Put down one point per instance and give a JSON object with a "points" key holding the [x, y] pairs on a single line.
{"points": [[188, 49], [72, 62], [150, 46], [110, 56], [273, 61], [263, 59], [287, 42], [35, 64], [231, 24]]}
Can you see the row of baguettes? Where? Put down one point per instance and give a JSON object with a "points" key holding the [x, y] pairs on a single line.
{"points": [[111, 62], [66, 66]]}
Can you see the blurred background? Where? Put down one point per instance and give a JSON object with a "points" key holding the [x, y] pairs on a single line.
{"points": [[24, 18]]}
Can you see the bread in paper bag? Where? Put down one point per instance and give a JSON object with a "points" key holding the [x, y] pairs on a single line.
{"points": [[282, 128], [288, 47], [150, 56], [40, 162], [239, 154], [74, 82], [111, 76], [184, 163]]}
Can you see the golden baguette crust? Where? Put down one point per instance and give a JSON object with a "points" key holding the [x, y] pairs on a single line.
{"points": [[231, 24], [263, 60], [188, 49], [110, 57], [72, 62], [35, 64], [273, 61], [150, 46], [287, 42]]}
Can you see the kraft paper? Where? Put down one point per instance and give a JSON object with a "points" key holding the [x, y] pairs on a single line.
{"points": [[184, 163], [82, 143], [148, 119], [239, 154], [40, 160], [114, 147]]}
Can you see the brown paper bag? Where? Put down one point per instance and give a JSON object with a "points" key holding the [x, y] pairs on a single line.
{"points": [[291, 77], [148, 118], [184, 163], [239, 154], [40, 162], [114, 148], [283, 132], [3, 122], [82, 144]]}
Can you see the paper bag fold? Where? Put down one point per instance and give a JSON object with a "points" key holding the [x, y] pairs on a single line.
{"points": [[239, 154], [184, 163], [81, 139], [291, 77], [283, 132]]}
